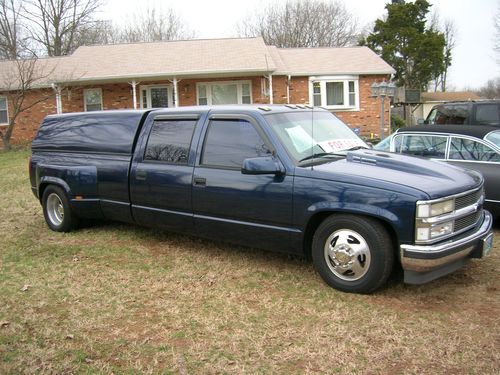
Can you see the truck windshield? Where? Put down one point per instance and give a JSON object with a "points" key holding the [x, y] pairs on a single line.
{"points": [[318, 134]]}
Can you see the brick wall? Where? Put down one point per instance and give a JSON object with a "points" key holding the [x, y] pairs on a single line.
{"points": [[115, 96], [119, 96], [28, 121], [279, 90], [299, 90], [367, 120]]}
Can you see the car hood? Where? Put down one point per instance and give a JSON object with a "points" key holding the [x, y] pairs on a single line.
{"points": [[387, 170]]}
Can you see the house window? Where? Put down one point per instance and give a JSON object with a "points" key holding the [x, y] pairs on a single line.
{"points": [[92, 99], [238, 92], [335, 92], [316, 94], [157, 96], [4, 115]]}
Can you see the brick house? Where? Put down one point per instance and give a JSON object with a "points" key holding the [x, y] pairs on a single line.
{"points": [[199, 72]]}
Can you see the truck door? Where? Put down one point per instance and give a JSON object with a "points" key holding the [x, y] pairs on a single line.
{"points": [[161, 175], [253, 210]]}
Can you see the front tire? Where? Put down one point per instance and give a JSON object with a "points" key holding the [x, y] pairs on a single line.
{"points": [[57, 211], [352, 253]]}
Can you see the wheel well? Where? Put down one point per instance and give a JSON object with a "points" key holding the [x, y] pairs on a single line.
{"points": [[41, 189], [44, 185], [318, 218]]}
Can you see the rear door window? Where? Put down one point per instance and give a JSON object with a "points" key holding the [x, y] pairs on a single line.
{"points": [[170, 141], [468, 149], [487, 114]]}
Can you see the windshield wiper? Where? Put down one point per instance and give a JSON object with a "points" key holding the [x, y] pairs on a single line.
{"points": [[356, 148], [317, 155]]}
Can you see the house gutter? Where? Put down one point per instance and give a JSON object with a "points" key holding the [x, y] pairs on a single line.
{"points": [[288, 81], [271, 99]]}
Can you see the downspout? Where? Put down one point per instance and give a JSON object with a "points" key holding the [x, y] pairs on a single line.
{"points": [[270, 77], [57, 90], [289, 78]]}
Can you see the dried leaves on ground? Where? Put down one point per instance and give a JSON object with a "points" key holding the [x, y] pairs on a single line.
{"points": [[114, 298]]}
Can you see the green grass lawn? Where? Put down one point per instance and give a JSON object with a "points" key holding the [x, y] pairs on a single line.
{"points": [[115, 298]]}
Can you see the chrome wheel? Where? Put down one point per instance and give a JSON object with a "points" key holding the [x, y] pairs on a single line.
{"points": [[55, 209], [347, 254]]}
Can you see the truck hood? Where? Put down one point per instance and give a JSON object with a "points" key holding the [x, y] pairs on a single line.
{"points": [[380, 169]]}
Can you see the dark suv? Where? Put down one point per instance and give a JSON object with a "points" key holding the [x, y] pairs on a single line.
{"points": [[485, 112]]}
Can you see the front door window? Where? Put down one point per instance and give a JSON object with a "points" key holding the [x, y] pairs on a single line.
{"points": [[156, 97], [159, 97]]}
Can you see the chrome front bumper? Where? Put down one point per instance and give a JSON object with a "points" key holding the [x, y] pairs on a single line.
{"points": [[423, 263]]}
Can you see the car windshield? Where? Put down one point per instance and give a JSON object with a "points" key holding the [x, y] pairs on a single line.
{"points": [[384, 145], [494, 137], [313, 133]]}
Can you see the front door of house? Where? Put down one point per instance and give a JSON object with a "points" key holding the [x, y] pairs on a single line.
{"points": [[157, 97]]}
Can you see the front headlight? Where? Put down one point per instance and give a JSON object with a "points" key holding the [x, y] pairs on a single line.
{"points": [[432, 222], [426, 232], [426, 210]]}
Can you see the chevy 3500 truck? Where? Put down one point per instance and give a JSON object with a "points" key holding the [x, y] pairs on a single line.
{"points": [[284, 178]]}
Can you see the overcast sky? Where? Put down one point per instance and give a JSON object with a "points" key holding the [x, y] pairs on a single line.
{"points": [[473, 57]]}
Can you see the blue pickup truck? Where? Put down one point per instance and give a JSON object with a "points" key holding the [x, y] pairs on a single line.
{"points": [[284, 178]]}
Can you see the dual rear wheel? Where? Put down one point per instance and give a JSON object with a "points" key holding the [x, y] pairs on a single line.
{"points": [[57, 211]]}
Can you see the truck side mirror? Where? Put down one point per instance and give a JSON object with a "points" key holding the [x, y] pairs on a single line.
{"points": [[420, 121], [262, 165]]}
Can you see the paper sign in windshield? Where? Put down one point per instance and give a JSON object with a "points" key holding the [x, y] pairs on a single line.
{"points": [[300, 139], [336, 145]]}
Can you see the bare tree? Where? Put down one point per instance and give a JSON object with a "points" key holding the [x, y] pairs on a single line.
{"points": [[299, 23], [491, 90], [99, 32], [496, 37], [449, 31], [17, 81], [58, 24], [10, 29], [154, 25]]}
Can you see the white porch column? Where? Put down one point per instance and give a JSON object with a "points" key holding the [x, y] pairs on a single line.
{"points": [[134, 93], [57, 90], [176, 93]]}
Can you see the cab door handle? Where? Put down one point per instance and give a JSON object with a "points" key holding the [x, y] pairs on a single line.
{"points": [[141, 175], [200, 181]]}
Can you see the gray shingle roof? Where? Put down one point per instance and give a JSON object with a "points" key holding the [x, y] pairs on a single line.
{"points": [[449, 96], [323, 61], [202, 57]]}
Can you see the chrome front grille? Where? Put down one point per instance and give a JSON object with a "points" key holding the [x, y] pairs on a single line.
{"points": [[466, 213], [468, 200], [467, 221]]}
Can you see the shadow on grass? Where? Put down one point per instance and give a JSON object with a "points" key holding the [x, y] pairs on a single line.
{"points": [[156, 240]]}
